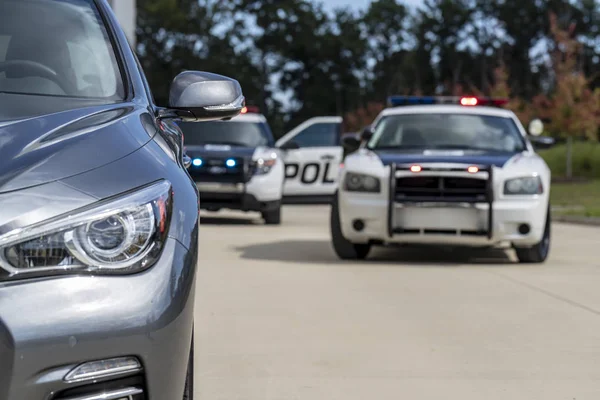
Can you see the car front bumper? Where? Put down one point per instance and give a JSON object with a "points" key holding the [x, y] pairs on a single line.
{"points": [[261, 193], [49, 326], [451, 224]]}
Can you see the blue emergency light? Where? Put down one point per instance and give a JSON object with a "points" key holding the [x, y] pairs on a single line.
{"points": [[397, 101], [230, 163]]}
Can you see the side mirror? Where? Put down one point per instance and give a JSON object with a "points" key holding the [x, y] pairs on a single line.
{"points": [[542, 142], [202, 96], [536, 127], [289, 145], [351, 142], [187, 161], [366, 134]]}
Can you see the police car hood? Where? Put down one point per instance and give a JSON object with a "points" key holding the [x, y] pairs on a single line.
{"points": [[474, 157], [40, 149]]}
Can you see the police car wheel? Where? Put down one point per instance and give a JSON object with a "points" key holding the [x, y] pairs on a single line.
{"points": [[272, 217], [539, 252], [344, 249]]}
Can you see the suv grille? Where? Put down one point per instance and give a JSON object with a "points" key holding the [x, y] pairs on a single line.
{"points": [[214, 169], [439, 188]]}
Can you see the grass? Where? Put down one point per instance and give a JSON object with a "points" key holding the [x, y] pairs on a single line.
{"points": [[586, 160], [579, 199]]}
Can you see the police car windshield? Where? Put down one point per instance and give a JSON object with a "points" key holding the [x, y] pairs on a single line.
{"points": [[56, 48], [234, 133], [447, 131]]}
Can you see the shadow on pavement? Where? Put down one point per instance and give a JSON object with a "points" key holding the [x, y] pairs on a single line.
{"points": [[320, 251]]}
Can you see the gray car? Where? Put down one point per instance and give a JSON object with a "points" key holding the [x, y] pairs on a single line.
{"points": [[98, 216]]}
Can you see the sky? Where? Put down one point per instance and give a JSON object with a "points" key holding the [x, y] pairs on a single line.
{"points": [[363, 3]]}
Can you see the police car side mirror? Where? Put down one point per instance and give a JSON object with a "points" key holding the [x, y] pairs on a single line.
{"points": [[203, 96], [290, 145], [351, 142], [542, 142], [366, 134]]}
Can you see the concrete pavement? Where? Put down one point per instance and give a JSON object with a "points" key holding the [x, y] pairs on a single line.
{"points": [[279, 317]]}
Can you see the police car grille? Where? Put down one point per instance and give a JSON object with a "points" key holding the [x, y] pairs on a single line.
{"points": [[440, 188], [215, 169]]}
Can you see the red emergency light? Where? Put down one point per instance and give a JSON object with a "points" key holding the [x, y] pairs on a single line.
{"points": [[473, 169], [415, 168], [250, 110]]}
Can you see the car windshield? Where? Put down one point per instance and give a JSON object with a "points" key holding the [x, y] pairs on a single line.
{"points": [[57, 48], [235, 133], [447, 131]]}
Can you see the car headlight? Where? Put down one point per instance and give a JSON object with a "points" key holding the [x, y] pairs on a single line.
{"points": [[264, 165], [361, 183], [122, 235], [524, 186]]}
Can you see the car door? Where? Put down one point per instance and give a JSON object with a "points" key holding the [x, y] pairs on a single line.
{"points": [[312, 168]]}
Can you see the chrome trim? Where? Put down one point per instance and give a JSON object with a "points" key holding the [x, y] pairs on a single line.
{"points": [[127, 393], [108, 373]]}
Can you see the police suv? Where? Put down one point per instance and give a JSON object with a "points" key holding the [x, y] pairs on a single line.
{"points": [[444, 170], [235, 164]]}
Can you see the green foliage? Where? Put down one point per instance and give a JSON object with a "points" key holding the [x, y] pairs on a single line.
{"points": [[586, 160]]}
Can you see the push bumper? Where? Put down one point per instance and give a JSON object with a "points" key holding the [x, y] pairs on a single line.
{"points": [[490, 221], [50, 326]]}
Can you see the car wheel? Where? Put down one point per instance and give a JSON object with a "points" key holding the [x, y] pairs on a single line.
{"points": [[539, 252], [188, 393], [344, 249], [272, 217]]}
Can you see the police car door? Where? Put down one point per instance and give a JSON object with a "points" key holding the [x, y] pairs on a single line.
{"points": [[312, 153]]}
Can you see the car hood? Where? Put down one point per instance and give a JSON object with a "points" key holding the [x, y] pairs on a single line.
{"points": [[498, 159], [42, 149]]}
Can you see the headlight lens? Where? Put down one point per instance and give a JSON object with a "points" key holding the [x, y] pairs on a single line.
{"points": [[124, 235], [264, 165], [361, 183], [524, 186]]}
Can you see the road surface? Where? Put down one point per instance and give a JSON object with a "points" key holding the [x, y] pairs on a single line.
{"points": [[280, 318]]}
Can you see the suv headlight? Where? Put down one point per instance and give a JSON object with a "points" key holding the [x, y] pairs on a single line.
{"points": [[264, 165], [361, 183], [524, 186], [122, 235]]}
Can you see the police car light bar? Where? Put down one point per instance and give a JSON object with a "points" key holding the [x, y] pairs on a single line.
{"points": [[396, 101]]}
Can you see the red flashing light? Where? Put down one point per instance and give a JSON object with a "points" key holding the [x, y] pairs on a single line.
{"points": [[469, 101], [416, 168], [473, 170], [244, 110]]}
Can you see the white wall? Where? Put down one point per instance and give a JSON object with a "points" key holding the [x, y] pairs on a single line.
{"points": [[126, 13]]}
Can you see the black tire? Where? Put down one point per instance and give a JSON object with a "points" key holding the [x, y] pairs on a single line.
{"points": [[272, 217], [344, 249], [188, 393], [538, 253]]}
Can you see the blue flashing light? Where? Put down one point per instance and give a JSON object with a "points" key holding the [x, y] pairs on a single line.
{"points": [[394, 101], [230, 163], [197, 162]]}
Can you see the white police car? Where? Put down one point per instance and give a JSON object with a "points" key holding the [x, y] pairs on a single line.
{"points": [[235, 164], [444, 170]]}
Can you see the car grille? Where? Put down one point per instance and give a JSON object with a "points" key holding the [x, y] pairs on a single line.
{"points": [[441, 188], [214, 169]]}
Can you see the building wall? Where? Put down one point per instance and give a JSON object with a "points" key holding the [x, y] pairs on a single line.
{"points": [[126, 13]]}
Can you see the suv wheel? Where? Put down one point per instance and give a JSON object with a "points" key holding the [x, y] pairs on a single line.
{"points": [[344, 249], [272, 217], [539, 252]]}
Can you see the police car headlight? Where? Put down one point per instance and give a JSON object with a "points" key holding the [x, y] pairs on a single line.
{"points": [[120, 236], [263, 166], [361, 183], [530, 185]]}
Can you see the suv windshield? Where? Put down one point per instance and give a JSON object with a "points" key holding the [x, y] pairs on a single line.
{"points": [[56, 48], [235, 133], [447, 131]]}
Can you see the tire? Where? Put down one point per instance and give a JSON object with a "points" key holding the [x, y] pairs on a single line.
{"points": [[539, 252], [272, 217], [343, 248], [188, 393]]}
